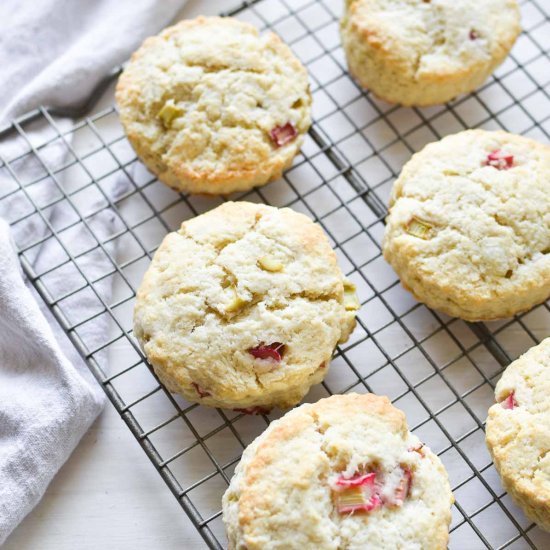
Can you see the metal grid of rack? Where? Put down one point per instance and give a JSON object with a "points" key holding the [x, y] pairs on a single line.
{"points": [[88, 200]]}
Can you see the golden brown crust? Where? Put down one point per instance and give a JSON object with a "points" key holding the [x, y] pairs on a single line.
{"points": [[206, 301], [518, 438], [280, 496], [229, 89], [486, 256], [420, 53]]}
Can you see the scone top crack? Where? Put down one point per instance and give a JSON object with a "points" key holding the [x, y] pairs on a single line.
{"points": [[342, 473], [243, 307], [469, 225], [212, 107], [424, 52]]}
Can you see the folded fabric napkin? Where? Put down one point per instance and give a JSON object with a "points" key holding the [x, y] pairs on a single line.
{"points": [[52, 52], [47, 397]]}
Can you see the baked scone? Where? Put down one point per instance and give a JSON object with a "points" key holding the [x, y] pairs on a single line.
{"points": [[425, 52], [243, 306], [518, 432], [344, 473], [212, 107], [468, 231]]}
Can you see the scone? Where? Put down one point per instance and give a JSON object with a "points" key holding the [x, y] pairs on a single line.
{"points": [[243, 306], [212, 107], [422, 52], [518, 432], [342, 474], [468, 231]]}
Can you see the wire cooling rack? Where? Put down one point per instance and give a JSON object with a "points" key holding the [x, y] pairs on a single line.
{"points": [[96, 216]]}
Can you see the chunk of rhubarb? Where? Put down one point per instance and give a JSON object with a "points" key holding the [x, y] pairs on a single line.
{"points": [[420, 229], [510, 402], [403, 489], [253, 410], [169, 112], [200, 391], [356, 481], [353, 500], [235, 303], [270, 263], [272, 352], [351, 301], [416, 449], [499, 160], [359, 493], [281, 135]]}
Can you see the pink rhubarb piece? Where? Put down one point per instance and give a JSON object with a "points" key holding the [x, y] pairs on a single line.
{"points": [[281, 135], [510, 402], [253, 410], [403, 489], [200, 391], [357, 494], [499, 160], [268, 351]]}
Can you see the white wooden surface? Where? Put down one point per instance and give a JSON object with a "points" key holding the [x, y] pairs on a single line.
{"points": [[108, 496]]}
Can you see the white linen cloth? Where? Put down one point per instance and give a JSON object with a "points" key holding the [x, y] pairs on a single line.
{"points": [[52, 52], [47, 397]]}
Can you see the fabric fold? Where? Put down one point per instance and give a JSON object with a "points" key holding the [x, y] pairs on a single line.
{"points": [[54, 53]]}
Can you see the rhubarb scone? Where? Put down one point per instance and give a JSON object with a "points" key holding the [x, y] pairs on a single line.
{"points": [[210, 106], [468, 231], [344, 473], [243, 306], [425, 52], [518, 432]]}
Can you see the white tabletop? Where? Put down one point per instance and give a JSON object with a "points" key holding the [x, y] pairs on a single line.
{"points": [[108, 495]]}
